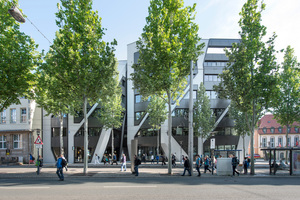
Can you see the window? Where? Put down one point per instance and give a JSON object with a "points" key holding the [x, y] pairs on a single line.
{"points": [[23, 115], [211, 94], [296, 130], [280, 129], [272, 142], [209, 78], [13, 115], [138, 98], [138, 115], [264, 129], [289, 141], [280, 144], [187, 96], [296, 141], [17, 141], [3, 117], [289, 129], [272, 129], [2, 142], [264, 142]]}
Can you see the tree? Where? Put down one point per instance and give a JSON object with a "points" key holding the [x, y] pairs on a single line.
{"points": [[204, 118], [52, 96], [157, 115], [18, 59], [240, 123], [286, 107], [111, 111], [249, 79], [167, 45], [86, 63]]}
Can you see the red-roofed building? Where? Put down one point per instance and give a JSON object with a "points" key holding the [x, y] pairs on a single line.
{"points": [[271, 134]]}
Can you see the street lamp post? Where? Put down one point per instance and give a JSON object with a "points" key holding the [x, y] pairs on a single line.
{"points": [[191, 134]]}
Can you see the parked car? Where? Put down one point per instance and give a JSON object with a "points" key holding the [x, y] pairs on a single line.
{"points": [[255, 156]]}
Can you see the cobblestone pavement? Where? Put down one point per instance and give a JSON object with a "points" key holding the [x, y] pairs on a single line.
{"points": [[113, 171]]}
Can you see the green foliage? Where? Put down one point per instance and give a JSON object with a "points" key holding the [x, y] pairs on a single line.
{"points": [[250, 77], [83, 62], [111, 112], [157, 112], [203, 117], [286, 104], [240, 120], [168, 44], [18, 59]]}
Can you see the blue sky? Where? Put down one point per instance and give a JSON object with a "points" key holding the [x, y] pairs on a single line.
{"points": [[125, 19]]}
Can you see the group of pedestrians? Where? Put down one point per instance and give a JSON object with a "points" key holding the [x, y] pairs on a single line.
{"points": [[62, 163]]}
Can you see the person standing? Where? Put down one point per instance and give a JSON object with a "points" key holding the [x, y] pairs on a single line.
{"points": [[59, 166], [198, 164], [246, 165], [97, 159], [157, 159], [186, 166], [173, 160], [163, 160], [123, 162], [137, 162], [234, 163], [206, 164]]}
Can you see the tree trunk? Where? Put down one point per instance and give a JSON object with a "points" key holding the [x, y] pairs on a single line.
{"points": [[112, 144], [157, 145], [169, 133], [85, 160], [191, 134], [61, 141], [287, 144]]}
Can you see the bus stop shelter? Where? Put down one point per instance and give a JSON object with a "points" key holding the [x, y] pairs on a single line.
{"points": [[294, 167]]}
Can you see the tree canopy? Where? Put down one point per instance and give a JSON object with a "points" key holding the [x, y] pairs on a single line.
{"points": [[18, 60]]}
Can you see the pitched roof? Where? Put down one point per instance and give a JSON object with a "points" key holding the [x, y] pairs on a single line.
{"points": [[268, 121]]}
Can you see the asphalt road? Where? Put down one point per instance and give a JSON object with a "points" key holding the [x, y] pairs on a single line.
{"points": [[139, 188]]}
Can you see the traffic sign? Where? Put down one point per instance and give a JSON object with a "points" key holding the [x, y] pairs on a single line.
{"points": [[38, 146], [38, 140]]}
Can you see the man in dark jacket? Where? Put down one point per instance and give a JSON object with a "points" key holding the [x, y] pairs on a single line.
{"points": [[234, 163], [186, 166], [137, 162]]}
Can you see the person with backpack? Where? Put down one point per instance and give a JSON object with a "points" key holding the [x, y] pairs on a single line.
{"points": [[97, 159], [246, 165], [234, 163], [137, 162], [186, 166], [60, 164], [206, 164]]}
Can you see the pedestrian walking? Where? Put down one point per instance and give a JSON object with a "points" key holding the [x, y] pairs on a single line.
{"points": [[206, 164], [137, 162], [39, 164], [114, 160], [97, 159], [234, 162], [123, 162], [186, 166], [198, 164], [163, 160], [59, 166], [157, 159], [173, 160], [152, 159], [104, 159]]}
